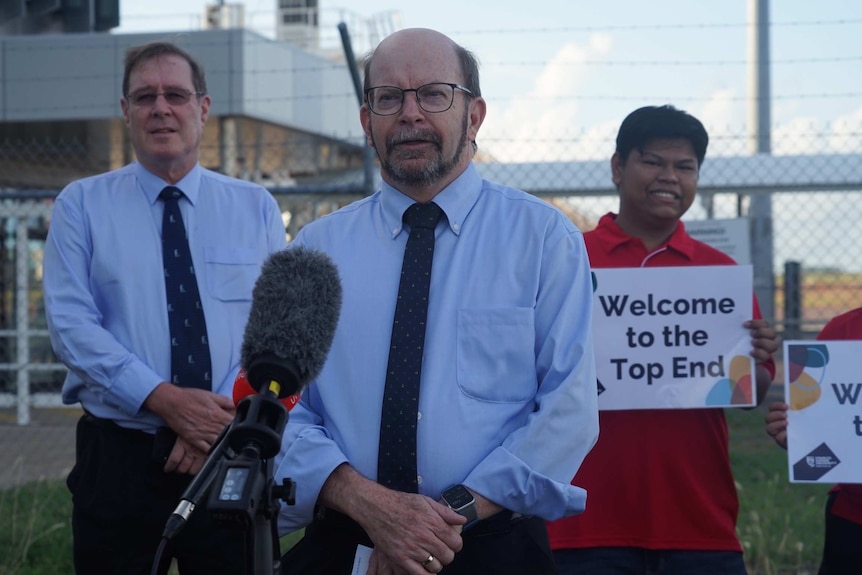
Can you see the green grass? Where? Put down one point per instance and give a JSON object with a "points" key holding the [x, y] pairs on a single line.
{"points": [[780, 524], [36, 529]]}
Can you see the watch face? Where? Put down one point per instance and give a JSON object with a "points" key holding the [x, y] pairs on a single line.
{"points": [[457, 496]]}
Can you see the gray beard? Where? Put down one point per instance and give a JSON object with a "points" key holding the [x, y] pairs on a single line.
{"points": [[435, 171]]}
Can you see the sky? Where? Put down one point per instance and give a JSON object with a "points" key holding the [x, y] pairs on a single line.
{"points": [[555, 69], [560, 75]]}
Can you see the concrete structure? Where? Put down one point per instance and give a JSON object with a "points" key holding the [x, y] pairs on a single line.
{"points": [[279, 113], [298, 22]]}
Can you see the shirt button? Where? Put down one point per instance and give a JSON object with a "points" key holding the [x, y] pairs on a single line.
{"points": [[456, 227], [418, 480], [418, 415]]}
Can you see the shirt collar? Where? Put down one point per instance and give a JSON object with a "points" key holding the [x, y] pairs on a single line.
{"points": [[456, 200], [153, 185], [612, 236]]}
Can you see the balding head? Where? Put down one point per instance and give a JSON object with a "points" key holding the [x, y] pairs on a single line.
{"points": [[429, 47]]}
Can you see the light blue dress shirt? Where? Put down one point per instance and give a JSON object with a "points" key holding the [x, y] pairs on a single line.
{"points": [[104, 281], [508, 400]]}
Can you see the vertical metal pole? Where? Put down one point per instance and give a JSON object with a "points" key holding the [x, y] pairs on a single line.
{"points": [[792, 300], [368, 152], [760, 137], [22, 320]]}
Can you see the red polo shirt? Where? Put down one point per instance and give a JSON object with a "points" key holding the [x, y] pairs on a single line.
{"points": [[848, 501], [656, 479]]}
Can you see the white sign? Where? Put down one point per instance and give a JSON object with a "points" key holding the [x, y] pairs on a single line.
{"points": [[728, 236], [823, 387], [361, 560], [672, 337]]}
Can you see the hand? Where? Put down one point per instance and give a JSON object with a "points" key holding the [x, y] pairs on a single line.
{"points": [[380, 564], [184, 458], [763, 339], [776, 423], [196, 415], [409, 529], [406, 528]]}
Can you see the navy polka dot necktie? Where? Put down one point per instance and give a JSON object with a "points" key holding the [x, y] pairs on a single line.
{"points": [[190, 352], [396, 461]]}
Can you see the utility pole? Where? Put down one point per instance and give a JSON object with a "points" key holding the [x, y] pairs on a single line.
{"points": [[760, 142]]}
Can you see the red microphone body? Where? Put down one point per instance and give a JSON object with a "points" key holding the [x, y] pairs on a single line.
{"points": [[242, 388]]}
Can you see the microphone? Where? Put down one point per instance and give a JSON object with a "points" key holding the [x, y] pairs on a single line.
{"points": [[242, 389], [295, 306], [294, 312]]}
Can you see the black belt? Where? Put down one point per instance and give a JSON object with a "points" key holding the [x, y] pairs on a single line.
{"points": [[111, 425], [162, 441]]}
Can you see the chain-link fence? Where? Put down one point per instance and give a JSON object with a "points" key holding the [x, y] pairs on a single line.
{"points": [[816, 203]]}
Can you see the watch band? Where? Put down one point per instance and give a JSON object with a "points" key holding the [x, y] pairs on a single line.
{"points": [[470, 513]]}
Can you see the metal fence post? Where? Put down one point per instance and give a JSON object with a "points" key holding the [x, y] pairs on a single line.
{"points": [[22, 320], [792, 300]]}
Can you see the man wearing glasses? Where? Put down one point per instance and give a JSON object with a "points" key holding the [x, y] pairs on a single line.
{"points": [[146, 298], [457, 398]]}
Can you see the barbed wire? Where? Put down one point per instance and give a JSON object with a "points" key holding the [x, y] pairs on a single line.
{"points": [[21, 80], [674, 63], [658, 27], [335, 65], [349, 98], [555, 29]]}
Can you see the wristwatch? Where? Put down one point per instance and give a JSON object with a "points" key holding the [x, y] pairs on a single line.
{"points": [[460, 500]]}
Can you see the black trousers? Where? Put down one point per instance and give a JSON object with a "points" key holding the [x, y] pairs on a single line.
{"points": [[121, 500], [842, 544], [495, 546]]}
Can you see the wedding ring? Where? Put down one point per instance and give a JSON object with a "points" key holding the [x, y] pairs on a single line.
{"points": [[428, 561]]}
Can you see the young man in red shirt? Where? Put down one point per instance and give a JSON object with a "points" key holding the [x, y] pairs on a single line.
{"points": [[842, 553], [661, 496]]}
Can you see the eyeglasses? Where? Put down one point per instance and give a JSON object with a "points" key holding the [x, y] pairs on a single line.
{"points": [[174, 97], [433, 98]]}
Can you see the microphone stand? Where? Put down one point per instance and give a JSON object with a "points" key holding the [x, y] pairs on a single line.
{"points": [[242, 491], [244, 494], [190, 499]]}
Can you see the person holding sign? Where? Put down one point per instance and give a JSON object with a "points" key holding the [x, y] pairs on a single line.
{"points": [[662, 497], [842, 554]]}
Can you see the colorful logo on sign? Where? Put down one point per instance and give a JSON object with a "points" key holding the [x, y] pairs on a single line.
{"points": [[736, 388], [806, 365]]}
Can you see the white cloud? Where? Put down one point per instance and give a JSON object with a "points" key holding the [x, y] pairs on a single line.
{"points": [[598, 143], [797, 136], [601, 43], [807, 135], [844, 134], [724, 121], [725, 116], [541, 123]]}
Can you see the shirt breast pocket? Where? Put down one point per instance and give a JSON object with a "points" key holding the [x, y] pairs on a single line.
{"points": [[495, 360], [231, 272]]}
